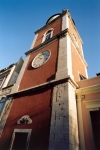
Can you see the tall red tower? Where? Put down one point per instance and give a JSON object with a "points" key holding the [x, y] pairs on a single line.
{"points": [[43, 111]]}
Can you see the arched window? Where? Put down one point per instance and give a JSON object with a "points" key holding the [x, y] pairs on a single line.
{"points": [[48, 34]]}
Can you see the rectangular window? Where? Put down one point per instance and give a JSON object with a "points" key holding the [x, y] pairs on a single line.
{"points": [[1, 81], [2, 103], [20, 139], [48, 36], [23, 140]]}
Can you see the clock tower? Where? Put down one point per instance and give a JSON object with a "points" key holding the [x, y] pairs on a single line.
{"points": [[44, 101]]}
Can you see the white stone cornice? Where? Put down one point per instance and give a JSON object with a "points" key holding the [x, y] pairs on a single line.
{"points": [[62, 33], [88, 90], [46, 84], [92, 104]]}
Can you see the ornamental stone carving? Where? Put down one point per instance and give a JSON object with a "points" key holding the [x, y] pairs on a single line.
{"points": [[24, 120]]}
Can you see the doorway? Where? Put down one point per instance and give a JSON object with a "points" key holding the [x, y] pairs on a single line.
{"points": [[95, 120]]}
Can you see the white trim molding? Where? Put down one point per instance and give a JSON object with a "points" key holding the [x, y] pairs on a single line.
{"points": [[44, 35], [80, 123], [65, 22], [91, 105], [21, 131], [9, 77], [33, 43], [64, 66], [16, 87]]}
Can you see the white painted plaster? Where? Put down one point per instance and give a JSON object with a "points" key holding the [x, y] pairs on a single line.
{"points": [[86, 72], [69, 58], [8, 77], [64, 66], [33, 43], [13, 79], [82, 50], [15, 88], [65, 22], [80, 123]]}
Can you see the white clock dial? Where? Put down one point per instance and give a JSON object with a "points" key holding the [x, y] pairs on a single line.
{"points": [[40, 59]]}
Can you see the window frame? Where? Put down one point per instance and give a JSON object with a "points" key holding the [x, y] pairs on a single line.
{"points": [[91, 105], [46, 33], [2, 81], [21, 131], [3, 101]]}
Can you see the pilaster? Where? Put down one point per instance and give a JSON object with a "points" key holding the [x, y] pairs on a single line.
{"points": [[33, 43], [8, 77], [65, 22], [64, 129], [15, 88], [64, 67]]}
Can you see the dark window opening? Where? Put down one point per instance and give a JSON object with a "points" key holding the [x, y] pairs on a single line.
{"points": [[1, 80], [20, 141], [48, 35], [2, 103], [95, 119], [81, 77]]}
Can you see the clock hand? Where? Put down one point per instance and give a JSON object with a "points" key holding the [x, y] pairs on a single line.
{"points": [[41, 58]]}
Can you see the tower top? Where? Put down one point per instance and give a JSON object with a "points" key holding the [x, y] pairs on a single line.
{"points": [[55, 16]]}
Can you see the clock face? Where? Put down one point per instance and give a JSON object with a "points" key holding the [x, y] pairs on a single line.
{"points": [[40, 59]]}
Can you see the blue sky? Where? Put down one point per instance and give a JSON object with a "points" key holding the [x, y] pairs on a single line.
{"points": [[19, 19]]}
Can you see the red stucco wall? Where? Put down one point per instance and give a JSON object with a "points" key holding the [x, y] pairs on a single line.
{"points": [[44, 73], [37, 106], [89, 82], [77, 65], [56, 29]]}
